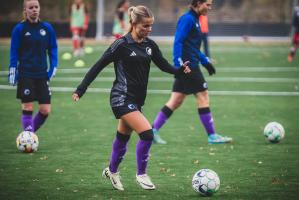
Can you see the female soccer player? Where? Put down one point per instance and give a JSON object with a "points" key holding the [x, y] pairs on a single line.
{"points": [[131, 55], [79, 24], [186, 47], [121, 19], [295, 39], [31, 41]]}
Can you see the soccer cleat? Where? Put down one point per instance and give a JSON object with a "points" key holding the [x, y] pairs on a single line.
{"points": [[157, 138], [114, 178], [218, 139], [290, 58], [145, 182]]}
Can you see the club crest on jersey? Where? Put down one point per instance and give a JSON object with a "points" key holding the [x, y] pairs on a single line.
{"points": [[42, 32], [131, 106], [26, 91], [148, 51], [205, 85]]}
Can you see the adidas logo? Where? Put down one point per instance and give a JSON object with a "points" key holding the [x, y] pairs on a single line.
{"points": [[133, 53], [27, 34], [29, 128]]}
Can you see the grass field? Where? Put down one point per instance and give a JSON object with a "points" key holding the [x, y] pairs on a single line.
{"points": [[254, 85]]}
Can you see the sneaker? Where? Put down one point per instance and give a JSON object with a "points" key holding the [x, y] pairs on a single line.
{"points": [[145, 182], [114, 178], [218, 139], [157, 138]]}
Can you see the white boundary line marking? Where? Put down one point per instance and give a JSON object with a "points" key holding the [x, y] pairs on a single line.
{"points": [[219, 69], [170, 79], [221, 93]]}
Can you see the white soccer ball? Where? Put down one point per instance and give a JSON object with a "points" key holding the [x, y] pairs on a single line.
{"points": [[274, 132], [27, 142], [206, 182]]}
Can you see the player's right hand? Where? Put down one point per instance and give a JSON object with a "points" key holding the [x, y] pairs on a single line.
{"points": [[75, 97], [186, 68], [12, 76]]}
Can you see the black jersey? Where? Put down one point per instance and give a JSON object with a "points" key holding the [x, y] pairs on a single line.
{"points": [[132, 66]]}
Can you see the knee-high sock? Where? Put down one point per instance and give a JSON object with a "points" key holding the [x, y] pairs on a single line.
{"points": [[162, 117], [38, 121], [27, 120], [76, 41], [206, 118], [119, 149], [142, 151]]}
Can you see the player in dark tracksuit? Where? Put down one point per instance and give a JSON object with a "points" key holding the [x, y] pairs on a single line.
{"points": [[132, 55], [31, 42], [295, 39], [187, 44]]}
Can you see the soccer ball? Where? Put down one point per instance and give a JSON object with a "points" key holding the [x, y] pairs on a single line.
{"points": [[274, 132], [206, 182], [27, 142]]}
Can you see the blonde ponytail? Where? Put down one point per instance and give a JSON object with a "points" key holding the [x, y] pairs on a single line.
{"points": [[137, 13]]}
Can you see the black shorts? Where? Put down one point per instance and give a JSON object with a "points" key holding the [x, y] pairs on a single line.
{"points": [[125, 109], [190, 83], [30, 90]]}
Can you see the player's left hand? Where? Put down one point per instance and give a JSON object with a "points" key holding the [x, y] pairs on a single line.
{"points": [[211, 69]]}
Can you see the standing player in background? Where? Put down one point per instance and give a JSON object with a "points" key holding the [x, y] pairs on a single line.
{"points": [[204, 25], [187, 47], [31, 41], [295, 40], [121, 19], [132, 55], [79, 23]]}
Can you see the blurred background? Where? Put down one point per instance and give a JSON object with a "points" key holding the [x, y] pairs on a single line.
{"points": [[227, 18]]}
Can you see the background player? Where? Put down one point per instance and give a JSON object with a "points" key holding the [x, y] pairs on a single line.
{"points": [[30, 42], [295, 40], [186, 47], [79, 23], [204, 25], [121, 19], [132, 55]]}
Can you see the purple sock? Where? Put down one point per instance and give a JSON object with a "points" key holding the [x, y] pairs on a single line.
{"points": [[207, 120], [162, 117], [119, 149], [38, 121], [27, 121], [142, 155]]}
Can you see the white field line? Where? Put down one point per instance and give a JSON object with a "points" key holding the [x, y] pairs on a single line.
{"points": [[169, 49], [170, 79], [221, 93], [209, 79], [219, 69]]}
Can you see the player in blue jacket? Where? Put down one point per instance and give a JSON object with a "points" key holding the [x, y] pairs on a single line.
{"points": [[187, 47], [31, 42]]}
